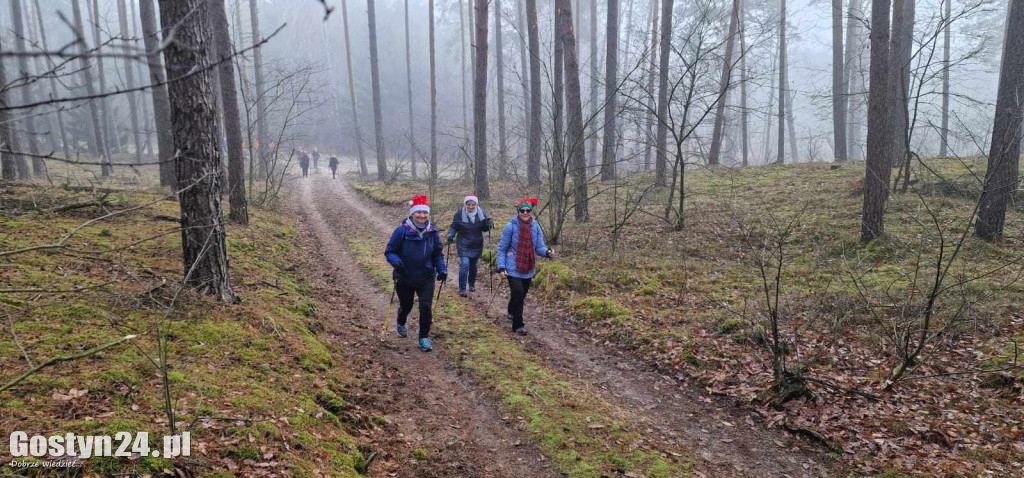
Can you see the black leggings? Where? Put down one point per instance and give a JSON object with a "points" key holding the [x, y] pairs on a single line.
{"points": [[518, 288], [405, 294]]}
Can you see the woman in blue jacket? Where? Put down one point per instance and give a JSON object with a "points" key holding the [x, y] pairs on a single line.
{"points": [[469, 225], [521, 242], [417, 256]]}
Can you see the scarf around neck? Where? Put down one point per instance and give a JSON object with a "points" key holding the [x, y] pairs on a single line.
{"points": [[419, 230], [526, 259], [471, 217]]}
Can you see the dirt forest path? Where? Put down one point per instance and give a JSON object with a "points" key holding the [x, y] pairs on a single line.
{"points": [[723, 440]]}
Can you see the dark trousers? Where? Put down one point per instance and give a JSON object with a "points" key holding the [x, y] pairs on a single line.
{"points": [[305, 170], [334, 172], [405, 294], [518, 288]]}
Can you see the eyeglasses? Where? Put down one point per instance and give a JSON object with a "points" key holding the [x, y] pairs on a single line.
{"points": [[525, 211]]}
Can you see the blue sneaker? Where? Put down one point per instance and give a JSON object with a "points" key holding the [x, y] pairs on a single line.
{"points": [[425, 345], [402, 332]]}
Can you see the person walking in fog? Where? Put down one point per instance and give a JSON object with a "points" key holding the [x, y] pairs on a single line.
{"points": [[468, 226], [416, 253], [316, 158], [304, 163], [333, 163], [521, 242]]}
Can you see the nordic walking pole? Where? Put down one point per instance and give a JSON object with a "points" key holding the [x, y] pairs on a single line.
{"points": [[490, 274], [438, 298], [384, 329]]}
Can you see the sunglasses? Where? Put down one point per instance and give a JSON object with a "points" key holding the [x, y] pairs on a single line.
{"points": [[525, 211]]}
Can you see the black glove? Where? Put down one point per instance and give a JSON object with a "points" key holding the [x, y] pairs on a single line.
{"points": [[488, 224], [501, 270], [400, 268], [442, 276], [450, 239]]}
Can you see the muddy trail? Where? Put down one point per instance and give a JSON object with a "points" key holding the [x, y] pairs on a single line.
{"points": [[435, 405]]}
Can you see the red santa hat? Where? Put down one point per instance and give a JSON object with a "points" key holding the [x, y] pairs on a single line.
{"points": [[528, 202], [470, 198], [419, 203]]}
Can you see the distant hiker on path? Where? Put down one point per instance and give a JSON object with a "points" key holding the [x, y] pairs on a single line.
{"points": [[469, 225], [316, 158], [416, 253], [521, 242], [333, 163], [304, 163]]}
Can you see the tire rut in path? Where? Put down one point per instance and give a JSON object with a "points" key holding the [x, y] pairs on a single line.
{"points": [[729, 440], [433, 406]]}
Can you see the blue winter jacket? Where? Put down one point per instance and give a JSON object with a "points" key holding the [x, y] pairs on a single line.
{"points": [[508, 245], [421, 254]]}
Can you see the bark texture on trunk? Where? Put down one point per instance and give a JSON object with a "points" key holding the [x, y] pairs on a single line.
{"points": [[595, 73], [524, 69], [611, 75], [851, 76], [262, 136], [901, 48], [783, 87], [661, 158], [651, 69], [480, 100], [161, 102], [433, 99], [533, 152], [559, 164], [878, 163], [1004, 155], [574, 114], [198, 170], [839, 98], [378, 119], [232, 118], [352, 92]]}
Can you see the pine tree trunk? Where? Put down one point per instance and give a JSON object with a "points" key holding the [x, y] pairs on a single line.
{"points": [[18, 19], [575, 140], [144, 98], [783, 86], [879, 147], [1001, 177], [499, 69], [946, 35], [533, 154], [8, 141], [480, 100], [559, 164], [198, 170], [96, 146], [433, 99], [232, 118], [378, 116], [54, 92], [611, 83], [723, 86], [262, 136], [652, 67], [462, 60], [901, 47], [524, 71], [794, 153], [363, 172], [110, 136], [129, 69], [161, 102], [839, 97], [661, 159], [408, 84], [595, 71], [851, 73], [744, 113]]}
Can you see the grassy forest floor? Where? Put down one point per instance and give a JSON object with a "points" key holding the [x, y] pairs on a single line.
{"points": [[261, 385], [692, 303]]}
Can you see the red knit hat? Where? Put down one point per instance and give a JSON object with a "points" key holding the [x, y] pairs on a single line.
{"points": [[419, 203]]}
